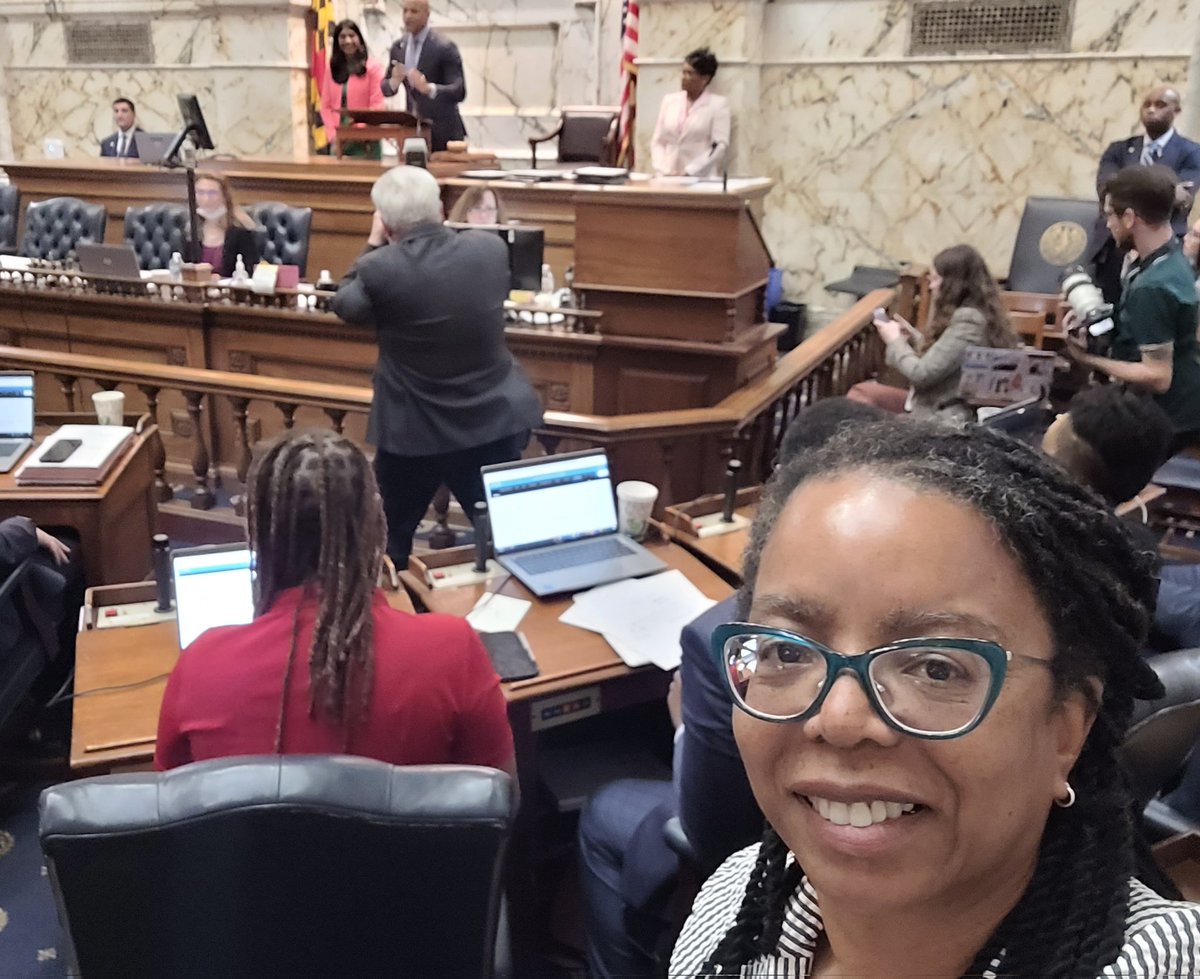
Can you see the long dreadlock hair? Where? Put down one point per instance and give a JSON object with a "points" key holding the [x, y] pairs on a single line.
{"points": [[316, 522], [1097, 590]]}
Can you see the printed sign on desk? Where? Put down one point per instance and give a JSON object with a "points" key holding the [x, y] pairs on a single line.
{"points": [[992, 376]]}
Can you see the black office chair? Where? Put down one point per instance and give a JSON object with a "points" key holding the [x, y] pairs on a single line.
{"points": [[1161, 737], [30, 634], [281, 866], [585, 134], [1053, 235], [10, 203], [156, 232], [53, 228], [285, 233]]}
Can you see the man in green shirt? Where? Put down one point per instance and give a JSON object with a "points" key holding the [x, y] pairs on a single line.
{"points": [[1154, 344]]}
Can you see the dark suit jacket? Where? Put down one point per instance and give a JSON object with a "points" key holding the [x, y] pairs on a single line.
{"points": [[707, 768], [441, 63], [445, 379], [108, 145], [18, 540], [239, 241], [1180, 154]]}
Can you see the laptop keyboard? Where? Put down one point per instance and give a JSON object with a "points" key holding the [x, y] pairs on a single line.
{"points": [[572, 557]]}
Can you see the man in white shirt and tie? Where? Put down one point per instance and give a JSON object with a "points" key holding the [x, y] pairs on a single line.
{"points": [[1160, 144], [122, 143], [428, 68]]}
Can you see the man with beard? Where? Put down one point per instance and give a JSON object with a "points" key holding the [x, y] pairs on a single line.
{"points": [[1162, 145], [1154, 343]]}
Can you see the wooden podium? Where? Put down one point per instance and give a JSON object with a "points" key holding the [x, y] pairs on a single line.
{"points": [[372, 125]]}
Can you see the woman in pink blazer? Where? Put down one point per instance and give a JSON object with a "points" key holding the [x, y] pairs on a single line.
{"points": [[351, 82], [691, 137]]}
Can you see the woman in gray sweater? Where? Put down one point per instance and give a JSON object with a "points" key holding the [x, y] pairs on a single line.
{"points": [[966, 312]]}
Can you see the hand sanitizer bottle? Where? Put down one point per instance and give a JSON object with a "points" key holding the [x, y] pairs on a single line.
{"points": [[240, 275], [175, 267]]}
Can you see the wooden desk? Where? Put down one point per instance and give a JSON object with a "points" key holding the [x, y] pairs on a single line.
{"points": [[115, 520], [116, 728], [721, 552]]}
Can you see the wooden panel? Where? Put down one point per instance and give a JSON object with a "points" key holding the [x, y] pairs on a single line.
{"points": [[642, 389], [676, 317]]}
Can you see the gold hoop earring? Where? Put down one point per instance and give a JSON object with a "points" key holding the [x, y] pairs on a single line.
{"points": [[1069, 801]]}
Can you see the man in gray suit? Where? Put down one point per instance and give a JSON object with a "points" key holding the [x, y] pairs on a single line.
{"points": [[429, 68], [449, 397]]}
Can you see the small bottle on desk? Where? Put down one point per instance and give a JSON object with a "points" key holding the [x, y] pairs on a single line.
{"points": [[325, 282], [175, 267], [240, 275]]}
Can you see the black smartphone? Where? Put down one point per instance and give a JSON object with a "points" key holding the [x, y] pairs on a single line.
{"points": [[61, 450]]}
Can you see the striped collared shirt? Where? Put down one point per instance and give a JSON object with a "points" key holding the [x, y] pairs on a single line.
{"points": [[1162, 938]]}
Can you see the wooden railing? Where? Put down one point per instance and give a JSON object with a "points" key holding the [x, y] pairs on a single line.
{"points": [[747, 425]]}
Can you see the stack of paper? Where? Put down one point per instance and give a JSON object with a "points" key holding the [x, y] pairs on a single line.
{"points": [[642, 617]]}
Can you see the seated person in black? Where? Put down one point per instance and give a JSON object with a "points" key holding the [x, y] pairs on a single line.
{"points": [[226, 231], [1154, 343]]}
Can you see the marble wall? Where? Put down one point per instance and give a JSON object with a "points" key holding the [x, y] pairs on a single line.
{"points": [[880, 158], [245, 61]]}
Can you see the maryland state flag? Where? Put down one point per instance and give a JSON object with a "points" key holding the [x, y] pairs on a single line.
{"points": [[320, 20]]}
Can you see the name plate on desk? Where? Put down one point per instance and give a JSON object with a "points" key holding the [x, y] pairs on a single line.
{"points": [[564, 708]]}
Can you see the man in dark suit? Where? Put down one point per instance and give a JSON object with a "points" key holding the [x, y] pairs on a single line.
{"points": [[449, 397], [429, 68], [1163, 145], [122, 143]]}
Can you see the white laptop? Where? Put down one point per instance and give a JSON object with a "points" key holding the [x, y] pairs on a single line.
{"points": [[554, 523], [213, 586], [16, 417]]}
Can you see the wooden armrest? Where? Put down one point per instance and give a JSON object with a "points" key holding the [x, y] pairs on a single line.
{"points": [[534, 140]]}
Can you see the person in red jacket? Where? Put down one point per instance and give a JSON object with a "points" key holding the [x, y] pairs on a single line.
{"points": [[327, 666]]}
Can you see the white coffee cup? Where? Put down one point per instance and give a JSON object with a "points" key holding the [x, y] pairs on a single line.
{"points": [[110, 407], [635, 501]]}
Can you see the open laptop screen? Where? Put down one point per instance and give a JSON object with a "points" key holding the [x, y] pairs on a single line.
{"points": [[16, 405], [213, 587], [549, 500]]}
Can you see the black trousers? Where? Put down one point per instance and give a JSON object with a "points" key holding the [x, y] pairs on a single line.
{"points": [[407, 484]]}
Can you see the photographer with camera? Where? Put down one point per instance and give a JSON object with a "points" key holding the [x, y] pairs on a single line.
{"points": [[1154, 340]]}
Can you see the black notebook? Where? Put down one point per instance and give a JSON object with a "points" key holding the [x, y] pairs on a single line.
{"points": [[510, 656]]}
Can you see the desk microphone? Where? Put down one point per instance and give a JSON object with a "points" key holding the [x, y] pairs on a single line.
{"points": [[732, 471], [161, 552], [480, 522]]}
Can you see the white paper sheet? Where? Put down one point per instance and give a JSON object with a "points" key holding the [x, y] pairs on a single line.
{"points": [[641, 618], [497, 613]]}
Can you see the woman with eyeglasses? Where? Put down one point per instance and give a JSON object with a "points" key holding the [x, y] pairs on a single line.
{"points": [[937, 665], [226, 231], [478, 205]]}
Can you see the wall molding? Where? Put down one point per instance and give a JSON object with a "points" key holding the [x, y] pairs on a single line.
{"points": [[43, 10], [936, 60]]}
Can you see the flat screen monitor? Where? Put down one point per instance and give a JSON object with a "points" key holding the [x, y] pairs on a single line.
{"points": [[193, 126], [526, 251]]}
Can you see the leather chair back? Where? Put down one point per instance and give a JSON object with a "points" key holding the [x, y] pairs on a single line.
{"points": [[585, 136], [1162, 733], [1054, 234], [156, 232], [280, 866], [10, 213], [53, 228], [285, 234]]}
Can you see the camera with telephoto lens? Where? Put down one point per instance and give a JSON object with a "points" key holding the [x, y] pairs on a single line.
{"points": [[1094, 315]]}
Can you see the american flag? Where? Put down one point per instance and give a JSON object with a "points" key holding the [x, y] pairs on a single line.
{"points": [[320, 20], [629, 48]]}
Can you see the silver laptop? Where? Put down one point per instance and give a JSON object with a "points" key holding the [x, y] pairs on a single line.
{"points": [[554, 523], [108, 261], [152, 147], [214, 586], [16, 417]]}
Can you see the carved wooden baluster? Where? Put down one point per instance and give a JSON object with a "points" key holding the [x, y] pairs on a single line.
{"points": [[241, 415], [442, 536], [162, 489], [289, 413], [549, 443], [66, 383], [337, 418], [203, 497]]}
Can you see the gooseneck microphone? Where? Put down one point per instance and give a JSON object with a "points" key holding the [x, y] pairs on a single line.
{"points": [[732, 472], [161, 553], [482, 531]]}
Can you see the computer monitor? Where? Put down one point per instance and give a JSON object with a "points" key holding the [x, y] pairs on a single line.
{"points": [[193, 125], [526, 251]]}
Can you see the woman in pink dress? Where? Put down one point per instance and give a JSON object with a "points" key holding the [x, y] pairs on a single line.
{"points": [[351, 82]]}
